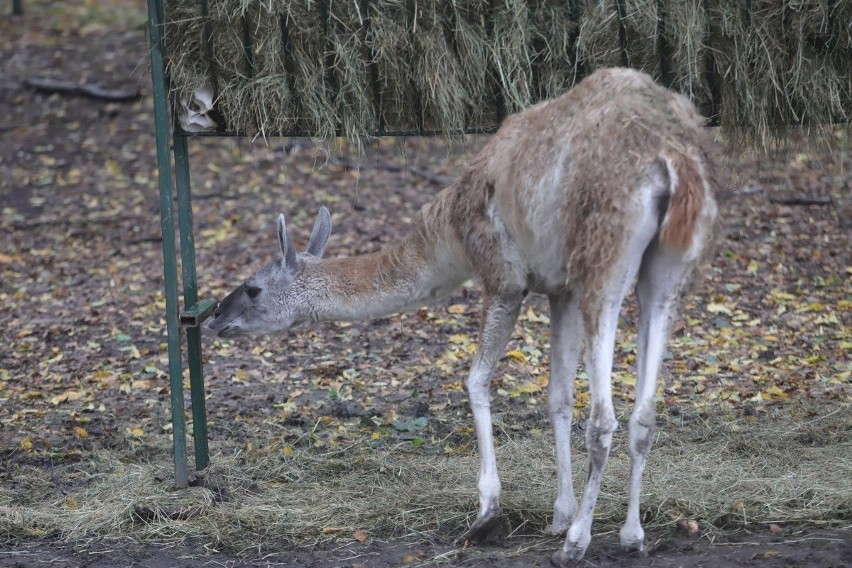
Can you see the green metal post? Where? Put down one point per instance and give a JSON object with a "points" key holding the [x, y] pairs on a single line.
{"points": [[161, 124], [190, 298]]}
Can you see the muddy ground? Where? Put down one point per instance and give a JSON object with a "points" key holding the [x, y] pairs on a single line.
{"points": [[82, 352]]}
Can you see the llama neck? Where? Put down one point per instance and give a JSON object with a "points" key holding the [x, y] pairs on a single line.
{"points": [[403, 276]]}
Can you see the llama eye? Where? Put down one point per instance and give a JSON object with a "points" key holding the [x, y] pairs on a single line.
{"points": [[252, 291]]}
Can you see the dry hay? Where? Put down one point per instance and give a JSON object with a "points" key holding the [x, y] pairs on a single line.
{"points": [[357, 67], [722, 473], [782, 63]]}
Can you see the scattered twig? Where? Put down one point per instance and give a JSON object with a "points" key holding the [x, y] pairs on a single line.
{"points": [[803, 200], [141, 240], [93, 90], [26, 225], [437, 180], [396, 168], [748, 190]]}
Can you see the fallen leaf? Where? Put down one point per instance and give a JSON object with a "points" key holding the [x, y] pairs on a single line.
{"points": [[517, 355], [689, 526], [360, 535], [716, 308], [752, 267], [775, 529], [410, 425]]}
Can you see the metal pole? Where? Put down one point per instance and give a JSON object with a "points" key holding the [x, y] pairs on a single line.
{"points": [[190, 298], [161, 124]]}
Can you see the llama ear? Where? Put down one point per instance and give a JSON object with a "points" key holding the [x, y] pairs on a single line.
{"points": [[320, 234], [288, 251]]}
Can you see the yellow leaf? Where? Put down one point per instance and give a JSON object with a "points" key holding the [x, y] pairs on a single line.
{"points": [[528, 388], [459, 339], [457, 309], [70, 502], [773, 391], [709, 370], [80, 432], [628, 379], [58, 399], [288, 451], [779, 295], [535, 318], [715, 308], [102, 374], [752, 267], [517, 355], [376, 435], [136, 432], [26, 444], [75, 395]]}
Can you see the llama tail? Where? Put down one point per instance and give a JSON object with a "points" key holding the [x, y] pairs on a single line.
{"points": [[679, 224]]}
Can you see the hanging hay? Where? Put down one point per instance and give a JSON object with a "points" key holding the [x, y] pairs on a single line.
{"points": [[359, 68], [555, 26], [780, 65]]}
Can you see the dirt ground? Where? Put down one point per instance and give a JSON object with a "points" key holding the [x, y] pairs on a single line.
{"points": [[82, 353], [823, 548]]}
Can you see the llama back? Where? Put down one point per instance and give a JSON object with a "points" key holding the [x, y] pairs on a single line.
{"points": [[567, 172]]}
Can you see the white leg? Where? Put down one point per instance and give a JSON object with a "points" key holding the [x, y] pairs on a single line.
{"points": [[566, 326], [600, 344], [600, 319], [498, 324], [659, 280]]}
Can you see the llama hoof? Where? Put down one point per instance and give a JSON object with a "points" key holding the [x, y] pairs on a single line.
{"points": [[556, 530], [635, 549], [559, 526], [567, 559], [483, 525]]}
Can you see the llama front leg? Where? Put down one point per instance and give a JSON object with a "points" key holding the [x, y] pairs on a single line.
{"points": [[566, 336], [497, 325]]}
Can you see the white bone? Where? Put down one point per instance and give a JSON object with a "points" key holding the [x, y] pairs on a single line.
{"points": [[193, 116]]}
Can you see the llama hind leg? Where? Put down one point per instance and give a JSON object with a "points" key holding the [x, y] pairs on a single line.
{"points": [[600, 344], [660, 279], [566, 337]]}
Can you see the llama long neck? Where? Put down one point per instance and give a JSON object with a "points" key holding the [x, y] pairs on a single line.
{"points": [[423, 267]]}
